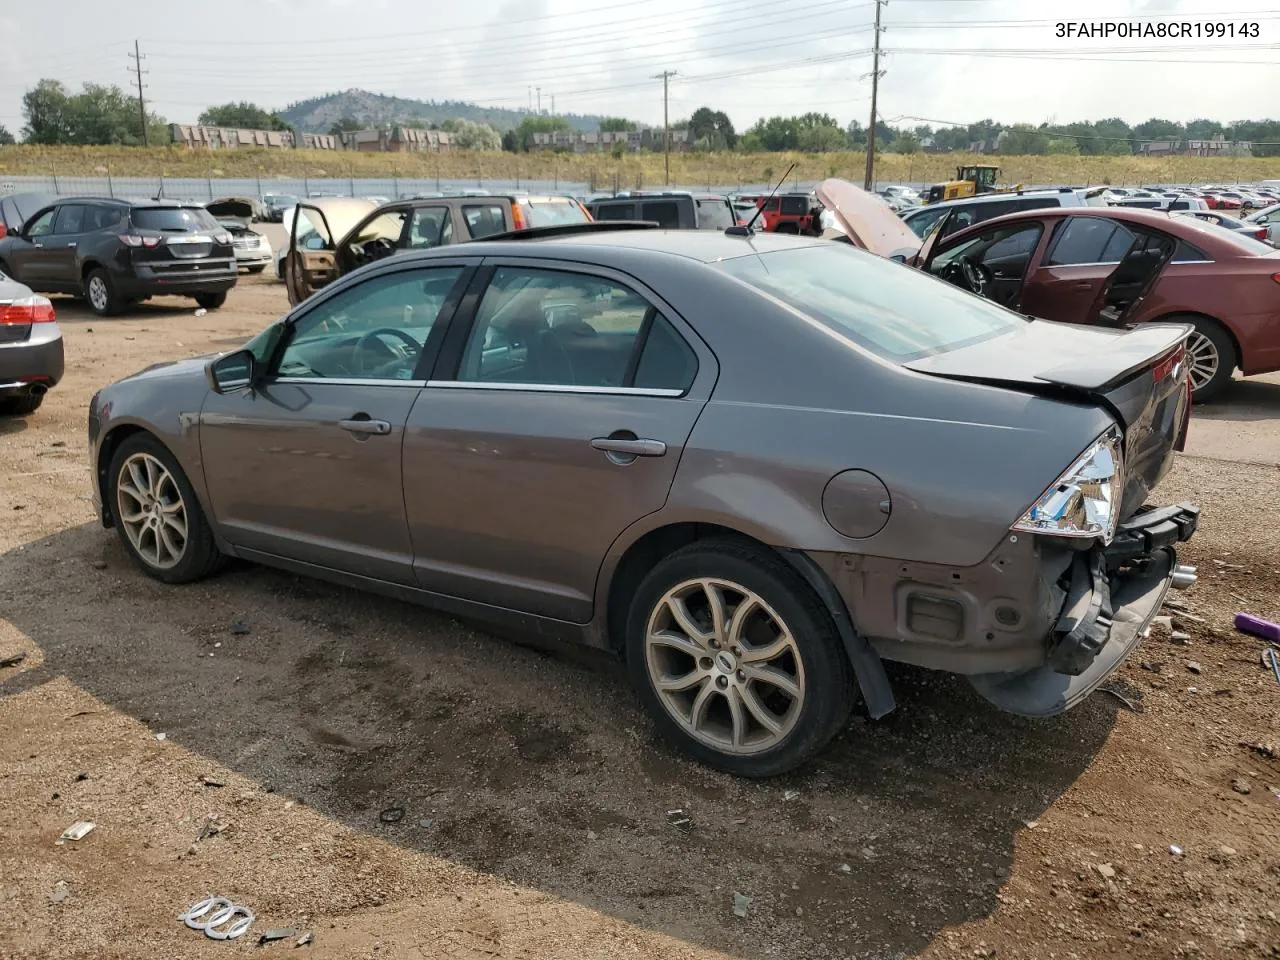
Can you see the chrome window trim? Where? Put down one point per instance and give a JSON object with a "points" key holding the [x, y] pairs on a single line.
{"points": [[557, 388], [351, 381], [1112, 263]]}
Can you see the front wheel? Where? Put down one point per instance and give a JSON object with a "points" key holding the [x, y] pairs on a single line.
{"points": [[211, 301], [156, 512], [1211, 354], [737, 660]]}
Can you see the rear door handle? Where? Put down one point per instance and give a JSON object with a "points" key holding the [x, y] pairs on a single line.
{"points": [[363, 425], [630, 448]]}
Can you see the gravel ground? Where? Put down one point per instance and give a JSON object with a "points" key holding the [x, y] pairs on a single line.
{"points": [[533, 790]]}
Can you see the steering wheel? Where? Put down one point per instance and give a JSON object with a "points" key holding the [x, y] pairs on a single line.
{"points": [[976, 275], [408, 349]]}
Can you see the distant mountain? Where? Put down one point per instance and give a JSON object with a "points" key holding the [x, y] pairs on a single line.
{"points": [[318, 114]]}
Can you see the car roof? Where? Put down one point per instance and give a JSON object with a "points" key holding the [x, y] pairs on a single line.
{"points": [[124, 202], [996, 197], [705, 246]]}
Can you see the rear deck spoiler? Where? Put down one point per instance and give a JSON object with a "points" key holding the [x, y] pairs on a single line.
{"points": [[1124, 357]]}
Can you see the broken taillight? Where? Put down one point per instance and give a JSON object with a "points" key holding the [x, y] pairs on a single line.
{"points": [[1169, 363], [33, 309]]}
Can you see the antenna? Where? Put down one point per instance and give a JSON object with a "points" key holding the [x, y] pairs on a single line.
{"points": [[736, 231]]}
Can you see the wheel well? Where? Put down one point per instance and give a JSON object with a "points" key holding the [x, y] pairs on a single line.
{"points": [[641, 557], [1235, 343], [110, 444], [88, 268], [786, 228]]}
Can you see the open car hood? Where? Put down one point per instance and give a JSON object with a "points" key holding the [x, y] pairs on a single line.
{"points": [[232, 208], [867, 220]]}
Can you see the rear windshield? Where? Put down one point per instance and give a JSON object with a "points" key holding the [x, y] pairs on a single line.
{"points": [[552, 212], [893, 310], [714, 215], [174, 219]]}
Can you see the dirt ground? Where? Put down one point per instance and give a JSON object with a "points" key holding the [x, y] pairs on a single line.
{"points": [[533, 789]]}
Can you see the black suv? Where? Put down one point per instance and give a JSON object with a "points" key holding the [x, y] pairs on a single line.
{"points": [[116, 252], [670, 209]]}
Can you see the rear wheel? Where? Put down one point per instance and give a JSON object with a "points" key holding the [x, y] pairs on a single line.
{"points": [[156, 512], [1211, 354], [100, 293], [21, 406], [737, 660], [211, 301]]}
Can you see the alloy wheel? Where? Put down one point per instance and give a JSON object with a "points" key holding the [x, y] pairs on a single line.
{"points": [[151, 509], [724, 665], [98, 293], [1203, 357]]}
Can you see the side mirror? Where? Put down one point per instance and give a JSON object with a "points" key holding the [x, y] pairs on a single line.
{"points": [[233, 371]]}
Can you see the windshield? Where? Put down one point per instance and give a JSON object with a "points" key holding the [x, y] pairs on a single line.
{"points": [[174, 219], [714, 214], [551, 211], [893, 310]]}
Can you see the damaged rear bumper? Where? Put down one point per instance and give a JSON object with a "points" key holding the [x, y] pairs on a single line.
{"points": [[1111, 595]]}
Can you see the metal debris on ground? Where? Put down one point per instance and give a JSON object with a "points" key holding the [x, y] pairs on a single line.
{"points": [[1175, 849], [741, 904], [1180, 637], [239, 628], [305, 940], [1257, 627], [1194, 667], [13, 661], [211, 782], [1130, 704], [788, 795], [212, 827], [1166, 622], [80, 777], [1271, 659], [214, 916], [679, 819], [271, 936], [1153, 666], [77, 831], [392, 815], [162, 737]]}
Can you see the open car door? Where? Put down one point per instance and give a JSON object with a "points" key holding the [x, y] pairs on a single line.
{"points": [[311, 263], [1131, 280]]}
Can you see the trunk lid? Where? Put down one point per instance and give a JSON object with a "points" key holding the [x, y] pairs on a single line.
{"points": [[1140, 375], [867, 220]]}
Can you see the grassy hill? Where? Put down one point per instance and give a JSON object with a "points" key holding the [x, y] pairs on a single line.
{"points": [[318, 114], [631, 170]]}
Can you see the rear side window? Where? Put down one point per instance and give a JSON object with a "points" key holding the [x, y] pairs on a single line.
{"points": [[174, 219], [795, 205], [430, 227], [666, 213], [1032, 203], [1186, 253], [714, 215], [484, 219], [616, 211], [551, 213], [1089, 240]]}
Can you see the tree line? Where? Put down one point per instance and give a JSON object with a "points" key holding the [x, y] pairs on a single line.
{"points": [[106, 115]]}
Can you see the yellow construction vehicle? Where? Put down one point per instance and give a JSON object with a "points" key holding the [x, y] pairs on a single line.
{"points": [[979, 178]]}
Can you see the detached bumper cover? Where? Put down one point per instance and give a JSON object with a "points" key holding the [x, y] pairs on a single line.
{"points": [[1112, 595]]}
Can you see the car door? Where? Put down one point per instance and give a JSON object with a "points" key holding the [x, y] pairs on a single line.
{"points": [[429, 226], [29, 253], [992, 262], [376, 237], [1082, 253], [562, 403], [60, 246], [306, 463]]}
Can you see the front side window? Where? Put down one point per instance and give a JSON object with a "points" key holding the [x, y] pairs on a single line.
{"points": [[41, 225], [895, 311], [484, 220], [550, 327], [375, 330], [70, 219], [431, 227]]}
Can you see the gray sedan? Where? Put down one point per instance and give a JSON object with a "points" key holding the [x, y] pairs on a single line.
{"points": [[31, 360], [755, 467]]}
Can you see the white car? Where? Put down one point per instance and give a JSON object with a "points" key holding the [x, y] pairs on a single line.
{"points": [[1268, 217], [234, 214]]}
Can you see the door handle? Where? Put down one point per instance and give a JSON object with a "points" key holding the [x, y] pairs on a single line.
{"points": [[365, 426], [71, 245], [1082, 285], [630, 448], [38, 246]]}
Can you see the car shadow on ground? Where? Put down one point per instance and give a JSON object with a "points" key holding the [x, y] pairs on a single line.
{"points": [[1242, 400], [73, 311], [541, 768], [10, 424]]}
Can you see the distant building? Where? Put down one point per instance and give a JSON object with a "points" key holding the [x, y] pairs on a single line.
{"points": [[1217, 146], [607, 141], [226, 138], [397, 140]]}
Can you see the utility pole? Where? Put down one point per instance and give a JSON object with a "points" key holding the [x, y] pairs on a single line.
{"points": [[531, 98], [137, 59], [539, 89], [553, 104], [869, 178], [665, 76]]}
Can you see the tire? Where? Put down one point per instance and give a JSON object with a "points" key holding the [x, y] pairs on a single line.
{"points": [[787, 228], [198, 556], [100, 293], [211, 301], [20, 406], [1209, 344], [808, 654], [257, 268]]}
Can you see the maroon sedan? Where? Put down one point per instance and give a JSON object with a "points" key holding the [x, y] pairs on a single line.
{"points": [[1110, 266]]}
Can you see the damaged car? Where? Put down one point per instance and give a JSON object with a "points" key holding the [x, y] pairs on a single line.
{"points": [[1107, 266], [235, 214], [753, 466]]}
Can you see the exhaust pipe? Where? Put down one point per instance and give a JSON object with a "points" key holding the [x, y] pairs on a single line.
{"points": [[1183, 576], [37, 390]]}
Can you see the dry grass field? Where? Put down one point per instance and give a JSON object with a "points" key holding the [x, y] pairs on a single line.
{"points": [[633, 169]]}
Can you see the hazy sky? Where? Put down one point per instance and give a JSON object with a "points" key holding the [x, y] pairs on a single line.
{"points": [[952, 60]]}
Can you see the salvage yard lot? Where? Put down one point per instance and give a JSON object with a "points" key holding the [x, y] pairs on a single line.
{"points": [[535, 793]]}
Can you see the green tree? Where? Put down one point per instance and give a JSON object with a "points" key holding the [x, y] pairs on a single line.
{"points": [[97, 115], [469, 135], [1022, 139], [532, 124], [1062, 146], [244, 115], [344, 125], [713, 128], [1204, 129], [1157, 129], [615, 125], [906, 142], [6, 138]]}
